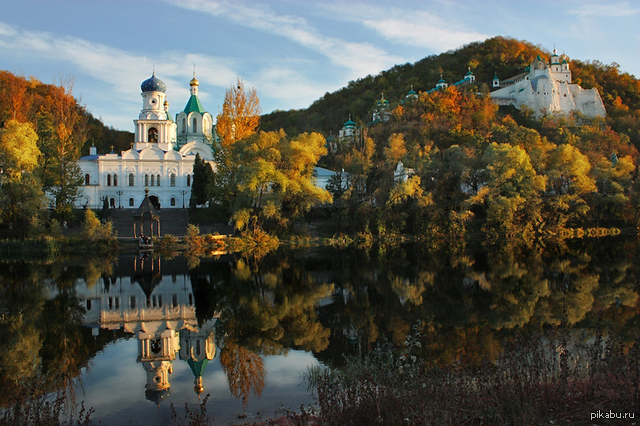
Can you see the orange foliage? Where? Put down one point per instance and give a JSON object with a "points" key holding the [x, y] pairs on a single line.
{"points": [[240, 114], [245, 371]]}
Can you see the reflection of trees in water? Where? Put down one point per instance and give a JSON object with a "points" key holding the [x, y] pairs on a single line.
{"points": [[245, 371], [266, 307], [336, 301], [470, 302], [21, 299], [41, 337]]}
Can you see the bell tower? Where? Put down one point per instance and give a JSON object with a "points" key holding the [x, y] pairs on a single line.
{"points": [[154, 124]]}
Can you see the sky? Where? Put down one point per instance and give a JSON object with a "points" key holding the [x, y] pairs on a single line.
{"points": [[291, 51]]}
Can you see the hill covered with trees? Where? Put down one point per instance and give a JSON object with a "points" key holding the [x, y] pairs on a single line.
{"points": [[29, 100], [43, 131], [505, 57], [469, 161]]}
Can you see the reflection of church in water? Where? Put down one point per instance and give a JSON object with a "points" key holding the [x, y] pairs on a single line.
{"points": [[160, 311]]}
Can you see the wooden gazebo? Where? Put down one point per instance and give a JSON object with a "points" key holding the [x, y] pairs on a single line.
{"points": [[146, 211]]}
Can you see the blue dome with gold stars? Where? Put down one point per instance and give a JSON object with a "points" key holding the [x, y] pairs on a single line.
{"points": [[153, 84]]}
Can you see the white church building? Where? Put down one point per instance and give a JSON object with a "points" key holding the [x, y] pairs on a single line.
{"points": [[546, 88], [160, 158]]}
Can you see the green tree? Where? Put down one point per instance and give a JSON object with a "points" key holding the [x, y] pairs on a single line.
{"points": [[93, 230], [568, 184], [512, 193], [614, 181], [202, 179]]}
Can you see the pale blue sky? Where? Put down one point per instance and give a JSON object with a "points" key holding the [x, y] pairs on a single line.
{"points": [[292, 52]]}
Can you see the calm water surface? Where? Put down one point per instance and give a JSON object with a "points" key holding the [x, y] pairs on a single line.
{"points": [[131, 336]]}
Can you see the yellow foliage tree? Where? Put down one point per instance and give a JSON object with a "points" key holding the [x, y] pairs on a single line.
{"points": [[275, 180], [19, 151], [240, 114], [396, 150], [20, 194]]}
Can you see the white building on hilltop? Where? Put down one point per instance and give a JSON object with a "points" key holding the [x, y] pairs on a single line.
{"points": [[547, 88], [161, 157]]}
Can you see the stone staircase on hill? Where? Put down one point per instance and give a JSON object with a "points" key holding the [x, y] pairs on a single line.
{"points": [[172, 221]]}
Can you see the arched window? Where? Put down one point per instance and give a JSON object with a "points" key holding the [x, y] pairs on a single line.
{"points": [[184, 125], [195, 125], [87, 179], [108, 180], [152, 179], [130, 179], [188, 180], [158, 180], [131, 202], [115, 180], [173, 202], [172, 179], [152, 135], [146, 180]]}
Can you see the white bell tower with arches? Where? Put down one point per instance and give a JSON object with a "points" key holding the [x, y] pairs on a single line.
{"points": [[154, 125]]}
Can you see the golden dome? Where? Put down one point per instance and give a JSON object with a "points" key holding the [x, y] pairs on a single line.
{"points": [[194, 82]]}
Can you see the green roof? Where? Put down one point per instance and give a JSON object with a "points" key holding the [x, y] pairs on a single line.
{"points": [[197, 367], [194, 105]]}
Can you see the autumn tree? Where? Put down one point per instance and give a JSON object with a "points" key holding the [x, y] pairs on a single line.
{"points": [[62, 130], [275, 178], [15, 100], [512, 193], [239, 119], [613, 179], [357, 194], [240, 114], [19, 151], [299, 157], [568, 185], [21, 197]]}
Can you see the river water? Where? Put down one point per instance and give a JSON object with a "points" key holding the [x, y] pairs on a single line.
{"points": [[130, 336]]}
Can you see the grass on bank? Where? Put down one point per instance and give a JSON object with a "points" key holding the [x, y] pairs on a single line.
{"points": [[541, 380]]}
